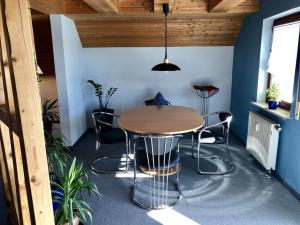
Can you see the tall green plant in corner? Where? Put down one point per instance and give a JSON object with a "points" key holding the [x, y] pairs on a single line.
{"points": [[69, 195], [110, 92], [99, 93]]}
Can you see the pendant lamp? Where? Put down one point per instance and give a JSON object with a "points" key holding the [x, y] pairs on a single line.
{"points": [[166, 66]]}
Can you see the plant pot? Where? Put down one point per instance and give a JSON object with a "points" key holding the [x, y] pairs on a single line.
{"points": [[59, 194], [76, 221], [48, 126], [273, 104], [108, 110]]}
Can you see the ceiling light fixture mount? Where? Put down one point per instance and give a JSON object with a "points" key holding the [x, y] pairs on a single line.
{"points": [[166, 66]]}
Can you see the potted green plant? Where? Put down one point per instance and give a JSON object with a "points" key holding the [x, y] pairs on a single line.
{"points": [[50, 114], [103, 102], [68, 194], [57, 156], [273, 94]]}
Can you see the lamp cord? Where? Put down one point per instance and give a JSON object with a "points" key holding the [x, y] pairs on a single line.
{"points": [[166, 36]]}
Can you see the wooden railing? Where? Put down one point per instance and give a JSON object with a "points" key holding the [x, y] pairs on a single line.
{"points": [[23, 162]]}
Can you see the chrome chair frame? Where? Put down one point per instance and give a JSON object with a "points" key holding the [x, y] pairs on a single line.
{"points": [[227, 160], [160, 181], [98, 143]]}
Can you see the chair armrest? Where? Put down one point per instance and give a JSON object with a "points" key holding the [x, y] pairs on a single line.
{"points": [[211, 114], [206, 129], [214, 125], [108, 113], [105, 123]]}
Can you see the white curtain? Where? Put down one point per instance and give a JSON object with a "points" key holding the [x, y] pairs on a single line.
{"points": [[283, 56]]}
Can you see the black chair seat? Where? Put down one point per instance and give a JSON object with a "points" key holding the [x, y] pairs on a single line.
{"points": [[113, 135], [149, 102], [141, 159], [216, 133]]}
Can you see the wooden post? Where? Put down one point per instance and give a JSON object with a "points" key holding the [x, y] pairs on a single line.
{"points": [[23, 154]]}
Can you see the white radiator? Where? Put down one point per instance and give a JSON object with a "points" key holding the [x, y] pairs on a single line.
{"points": [[262, 139]]}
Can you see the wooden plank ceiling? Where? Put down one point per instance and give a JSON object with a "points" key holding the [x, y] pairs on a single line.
{"points": [[139, 23]]}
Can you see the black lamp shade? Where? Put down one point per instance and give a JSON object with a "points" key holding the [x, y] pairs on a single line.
{"points": [[165, 67]]}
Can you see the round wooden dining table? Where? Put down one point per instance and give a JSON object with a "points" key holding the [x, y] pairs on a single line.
{"points": [[163, 120]]}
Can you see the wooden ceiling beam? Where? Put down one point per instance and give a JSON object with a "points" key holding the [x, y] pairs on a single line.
{"points": [[126, 23], [122, 31], [147, 17], [155, 42], [145, 8], [157, 5], [221, 6], [104, 6], [61, 7], [47, 6]]}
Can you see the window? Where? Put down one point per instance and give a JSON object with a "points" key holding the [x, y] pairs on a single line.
{"points": [[283, 57]]}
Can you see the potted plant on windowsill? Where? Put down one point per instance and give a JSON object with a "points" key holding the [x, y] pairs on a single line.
{"points": [[273, 94], [68, 194]]}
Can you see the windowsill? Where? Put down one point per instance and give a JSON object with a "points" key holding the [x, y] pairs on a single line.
{"points": [[281, 113]]}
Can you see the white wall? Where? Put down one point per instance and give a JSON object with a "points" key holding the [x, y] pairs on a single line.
{"points": [[70, 71], [129, 69], [48, 88]]}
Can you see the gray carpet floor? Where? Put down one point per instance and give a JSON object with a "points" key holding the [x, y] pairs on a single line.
{"points": [[244, 197]]}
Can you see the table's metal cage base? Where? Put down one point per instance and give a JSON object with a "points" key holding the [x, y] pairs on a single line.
{"points": [[162, 200], [158, 150]]}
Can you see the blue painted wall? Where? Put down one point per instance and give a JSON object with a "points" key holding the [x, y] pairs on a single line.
{"points": [[244, 90]]}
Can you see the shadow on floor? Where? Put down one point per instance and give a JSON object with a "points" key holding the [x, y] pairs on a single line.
{"points": [[246, 196]]}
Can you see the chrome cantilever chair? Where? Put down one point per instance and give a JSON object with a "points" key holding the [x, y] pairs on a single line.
{"points": [[159, 158], [214, 134], [107, 133]]}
